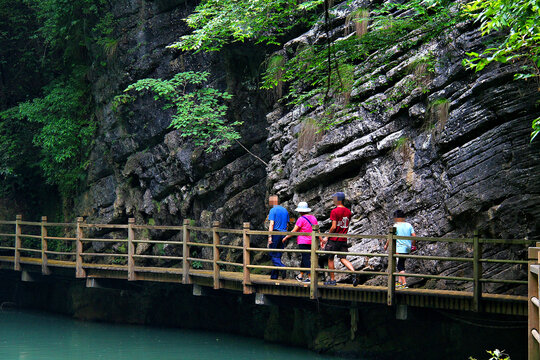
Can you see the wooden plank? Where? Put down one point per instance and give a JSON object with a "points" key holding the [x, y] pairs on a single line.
{"points": [[200, 244], [234, 247], [104, 226], [60, 238], [246, 280], [477, 272], [159, 257], [185, 253], [44, 268], [532, 310], [313, 286], [215, 265], [131, 250], [159, 227], [391, 266], [438, 258], [79, 270], [17, 260], [533, 253], [145, 241], [293, 251], [322, 252]]}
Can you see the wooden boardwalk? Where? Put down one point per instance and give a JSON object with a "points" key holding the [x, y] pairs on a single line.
{"points": [[35, 258]]}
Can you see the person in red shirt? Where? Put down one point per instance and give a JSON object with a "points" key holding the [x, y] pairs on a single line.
{"points": [[341, 217]]}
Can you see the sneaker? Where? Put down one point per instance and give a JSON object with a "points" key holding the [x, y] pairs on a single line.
{"points": [[399, 285], [306, 281], [299, 278], [355, 281], [330, 283]]}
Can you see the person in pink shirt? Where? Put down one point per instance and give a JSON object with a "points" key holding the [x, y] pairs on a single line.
{"points": [[304, 224]]}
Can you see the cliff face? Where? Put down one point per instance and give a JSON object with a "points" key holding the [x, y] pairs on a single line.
{"points": [[451, 151], [142, 168]]}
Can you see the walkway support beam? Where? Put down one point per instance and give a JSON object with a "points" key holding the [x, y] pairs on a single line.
{"points": [[17, 258], [215, 238], [313, 286], [391, 266], [44, 248], [246, 282], [131, 250], [477, 272], [79, 270], [185, 253], [533, 310]]}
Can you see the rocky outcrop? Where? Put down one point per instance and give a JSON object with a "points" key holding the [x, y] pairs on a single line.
{"points": [[448, 146], [452, 151], [139, 166]]}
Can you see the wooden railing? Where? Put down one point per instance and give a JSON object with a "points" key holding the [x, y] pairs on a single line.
{"points": [[534, 303], [126, 255]]}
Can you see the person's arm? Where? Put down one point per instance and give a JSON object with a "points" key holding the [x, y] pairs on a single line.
{"points": [[334, 227], [296, 228], [270, 228], [386, 245], [413, 246]]}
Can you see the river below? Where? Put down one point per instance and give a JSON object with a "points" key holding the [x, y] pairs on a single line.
{"points": [[42, 336]]}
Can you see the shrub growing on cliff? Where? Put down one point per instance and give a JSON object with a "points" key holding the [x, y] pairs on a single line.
{"points": [[520, 21], [199, 110], [218, 22]]}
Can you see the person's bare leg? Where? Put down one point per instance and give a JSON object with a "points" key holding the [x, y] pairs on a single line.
{"points": [[347, 264], [402, 279], [331, 267]]}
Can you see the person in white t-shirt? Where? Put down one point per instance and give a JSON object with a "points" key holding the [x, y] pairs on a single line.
{"points": [[403, 228]]}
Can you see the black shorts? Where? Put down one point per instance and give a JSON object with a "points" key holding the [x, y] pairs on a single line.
{"points": [[333, 245], [400, 264]]}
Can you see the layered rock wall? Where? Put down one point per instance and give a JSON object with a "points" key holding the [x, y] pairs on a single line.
{"points": [[449, 147], [452, 151]]}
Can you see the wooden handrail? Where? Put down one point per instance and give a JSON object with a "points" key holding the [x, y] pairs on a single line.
{"points": [[217, 232]]}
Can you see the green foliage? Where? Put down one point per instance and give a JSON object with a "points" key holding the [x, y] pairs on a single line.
{"points": [[18, 164], [71, 26], [307, 70], [535, 128], [520, 21], [199, 110], [496, 355], [65, 132], [46, 49], [401, 142], [218, 22]]}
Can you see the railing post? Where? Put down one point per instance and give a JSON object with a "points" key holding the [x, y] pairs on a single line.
{"points": [[79, 270], [17, 257], [131, 250], [246, 283], [313, 286], [44, 248], [391, 265], [533, 311], [477, 272], [215, 237], [185, 254]]}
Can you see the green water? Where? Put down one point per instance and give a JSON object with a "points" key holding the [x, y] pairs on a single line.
{"points": [[37, 336]]}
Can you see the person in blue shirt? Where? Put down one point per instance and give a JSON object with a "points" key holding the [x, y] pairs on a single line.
{"points": [[279, 219], [403, 228]]}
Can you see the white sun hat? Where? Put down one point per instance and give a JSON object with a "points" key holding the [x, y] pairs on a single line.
{"points": [[302, 207]]}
